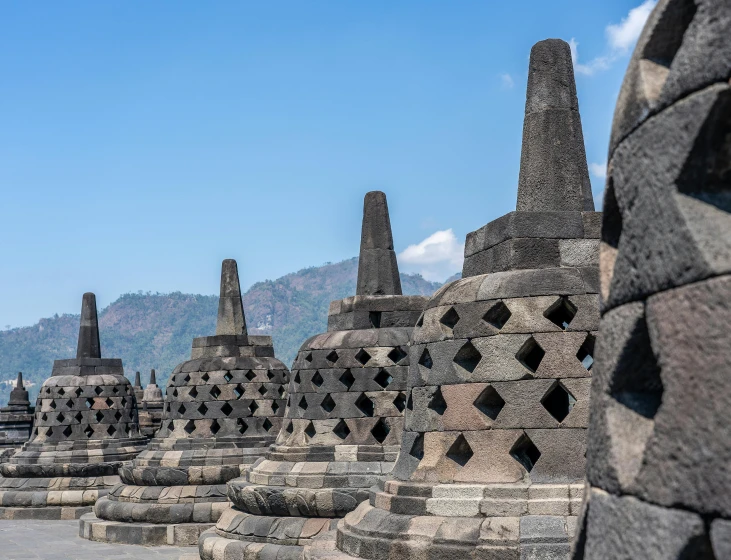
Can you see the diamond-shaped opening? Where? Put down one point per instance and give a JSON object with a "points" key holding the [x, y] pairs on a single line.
{"points": [[525, 452], [397, 354], [347, 379], [303, 403], [171, 426], [290, 427], [78, 391], [227, 409], [410, 402], [586, 353], [117, 416], [417, 448], [79, 417], [308, 358], [275, 407], [89, 402], [61, 392], [561, 313], [186, 379], [205, 377], [362, 356], [420, 321], [115, 390], [228, 377], [310, 430], [468, 357], [365, 405], [99, 416], [203, 409], [530, 354], [98, 390], [425, 359], [109, 402], [49, 432], [270, 375], [67, 431], [374, 317], [262, 390], [267, 425], [239, 391], [215, 427], [497, 315], [341, 429], [437, 402], [400, 402], [280, 391], [190, 427], [332, 357], [69, 404], [449, 320], [44, 417], [53, 405], [317, 379], [250, 375], [328, 404], [181, 409], [123, 401], [111, 430], [383, 378], [297, 378], [60, 417], [193, 391], [460, 452], [380, 431], [253, 407], [489, 402], [215, 392], [89, 431], [243, 426], [558, 402]]}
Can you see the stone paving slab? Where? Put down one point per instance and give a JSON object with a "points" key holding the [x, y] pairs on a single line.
{"points": [[59, 540]]}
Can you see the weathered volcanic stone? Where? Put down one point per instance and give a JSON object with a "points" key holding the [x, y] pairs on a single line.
{"points": [[85, 429], [16, 420], [659, 445], [223, 409], [344, 418], [492, 456], [153, 403]]}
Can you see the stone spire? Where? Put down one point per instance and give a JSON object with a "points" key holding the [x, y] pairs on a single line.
{"points": [[89, 346], [19, 396], [153, 381], [553, 171], [138, 381], [377, 268], [231, 320]]}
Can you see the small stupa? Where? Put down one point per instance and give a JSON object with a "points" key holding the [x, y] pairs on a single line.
{"points": [[16, 420], [151, 411], [85, 429]]}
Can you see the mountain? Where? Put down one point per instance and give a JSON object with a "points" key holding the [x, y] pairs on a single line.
{"points": [[156, 330]]}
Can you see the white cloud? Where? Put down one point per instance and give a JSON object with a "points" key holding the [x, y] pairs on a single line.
{"points": [[621, 37], [506, 81], [599, 170], [436, 258]]}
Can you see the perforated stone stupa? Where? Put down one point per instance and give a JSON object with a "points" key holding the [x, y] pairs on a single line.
{"points": [[223, 409], [16, 420], [492, 456], [85, 429], [659, 437], [344, 417], [152, 407]]}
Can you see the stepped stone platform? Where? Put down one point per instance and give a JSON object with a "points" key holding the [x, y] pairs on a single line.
{"points": [[223, 409], [16, 420], [344, 416], [84, 431], [659, 438]]}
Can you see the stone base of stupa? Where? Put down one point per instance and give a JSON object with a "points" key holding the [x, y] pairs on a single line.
{"points": [[147, 534]]}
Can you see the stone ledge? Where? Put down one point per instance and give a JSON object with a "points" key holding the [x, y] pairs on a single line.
{"points": [[46, 513], [147, 534]]}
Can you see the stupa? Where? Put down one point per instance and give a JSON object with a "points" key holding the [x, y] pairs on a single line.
{"points": [[85, 429], [223, 409], [152, 407], [344, 416], [659, 436], [16, 420], [492, 456]]}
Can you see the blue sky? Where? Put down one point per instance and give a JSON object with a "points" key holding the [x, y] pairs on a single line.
{"points": [[143, 142]]}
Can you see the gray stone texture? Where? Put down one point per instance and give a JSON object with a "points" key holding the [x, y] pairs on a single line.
{"points": [[16, 420], [377, 267], [659, 441]]}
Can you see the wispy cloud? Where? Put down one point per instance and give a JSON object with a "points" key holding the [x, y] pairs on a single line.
{"points": [[436, 258], [598, 170], [621, 37], [506, 81]]}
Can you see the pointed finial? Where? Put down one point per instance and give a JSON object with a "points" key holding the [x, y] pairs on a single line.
{"points": [[553, 172], [89, 346], [18, 395], [19, 382], [377, 268], [231, 318], [152, 377], [138, 382]]}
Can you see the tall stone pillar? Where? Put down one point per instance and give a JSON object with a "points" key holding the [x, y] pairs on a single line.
{"points": [[223, 409], [344, 419], [659, 450], [492, 455], [85, 429]]}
